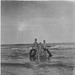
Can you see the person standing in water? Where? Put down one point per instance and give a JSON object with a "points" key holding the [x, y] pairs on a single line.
{"points": [[36, 45], [42, 53], [46, 50], [44, 47]]}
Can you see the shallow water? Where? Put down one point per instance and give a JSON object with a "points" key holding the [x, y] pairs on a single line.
{"points": [[16, 62]]}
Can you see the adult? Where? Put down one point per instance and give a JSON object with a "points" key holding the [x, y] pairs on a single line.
{"points": [[44, 44], [46, 49], [36, 45]]}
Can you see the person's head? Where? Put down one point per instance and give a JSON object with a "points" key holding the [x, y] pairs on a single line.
{"points": [[44, 41], [40, 44], [35, 39]]}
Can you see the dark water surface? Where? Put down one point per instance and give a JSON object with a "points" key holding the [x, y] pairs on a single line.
{"points": [[15, 61]]}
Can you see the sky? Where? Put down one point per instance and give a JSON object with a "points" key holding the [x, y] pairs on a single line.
{"points": [[23, 21]]}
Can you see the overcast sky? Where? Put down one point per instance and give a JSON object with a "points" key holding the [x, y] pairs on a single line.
{"points": [[53, 21]]}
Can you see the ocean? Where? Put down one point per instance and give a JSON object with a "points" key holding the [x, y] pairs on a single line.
{"points": [[15, 60]]}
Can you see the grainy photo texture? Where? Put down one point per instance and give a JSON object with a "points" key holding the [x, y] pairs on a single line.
{"points": [[37, 38]]}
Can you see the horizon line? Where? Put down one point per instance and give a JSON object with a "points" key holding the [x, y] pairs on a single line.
{"points": [[32, 43]]}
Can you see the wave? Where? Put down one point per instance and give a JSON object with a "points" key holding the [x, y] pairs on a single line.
{"points": [[39, 64]]}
